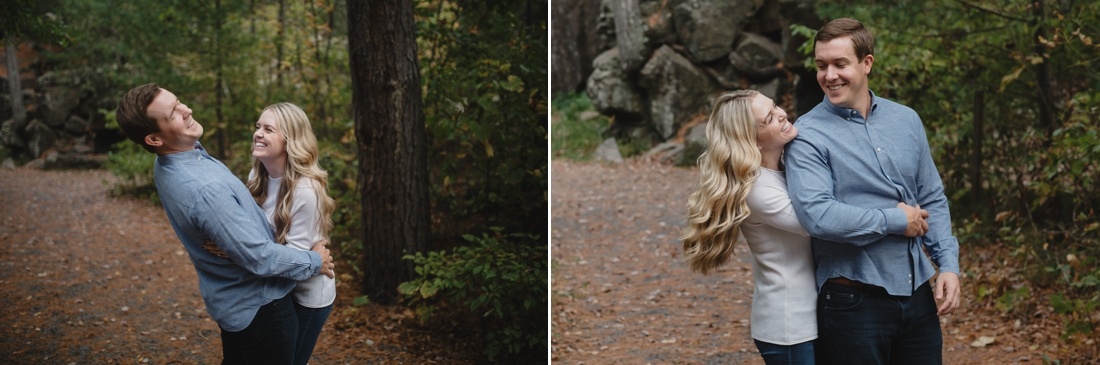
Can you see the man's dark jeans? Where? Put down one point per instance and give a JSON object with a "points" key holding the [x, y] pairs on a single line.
{"points": [[269, 339], [865, 325]]}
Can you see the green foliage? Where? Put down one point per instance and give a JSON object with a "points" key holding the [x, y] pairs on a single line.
{"points": [[1007, 302], [806, 48], [575, 137], [483, 68], [500, 277], [31, 19], [131, 165], [1077, 312]]}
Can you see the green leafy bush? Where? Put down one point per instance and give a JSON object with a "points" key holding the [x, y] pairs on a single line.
{"points": [[499, 277], [133, 170], [131, 164], [575, 137]]}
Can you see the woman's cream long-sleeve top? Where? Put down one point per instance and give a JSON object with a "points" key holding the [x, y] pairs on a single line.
{"points": [[318, 291], [784, 294]]}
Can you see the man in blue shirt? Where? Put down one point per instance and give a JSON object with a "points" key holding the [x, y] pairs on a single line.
{"points": [[863, 183], [247, 295]]}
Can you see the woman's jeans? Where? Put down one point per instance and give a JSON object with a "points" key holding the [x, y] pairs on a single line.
{"points": [[865, 325], [269, 339], [310, 322], [797, 354]]}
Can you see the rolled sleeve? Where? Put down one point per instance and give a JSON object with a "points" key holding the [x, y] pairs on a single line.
{"points": [[224, 217]]}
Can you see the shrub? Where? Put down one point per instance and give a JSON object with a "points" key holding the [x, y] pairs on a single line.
{"points": [[501, 278], [575, 138]]}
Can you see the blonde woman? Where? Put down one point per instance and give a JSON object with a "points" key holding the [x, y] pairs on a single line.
{"points": [[742, 190], [288, 184]]}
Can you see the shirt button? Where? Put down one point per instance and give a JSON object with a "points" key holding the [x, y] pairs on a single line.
{"points": [[878, 149]]}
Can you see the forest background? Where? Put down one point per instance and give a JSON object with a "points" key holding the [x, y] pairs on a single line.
{"points": [[1009, 93], [483, 75]]}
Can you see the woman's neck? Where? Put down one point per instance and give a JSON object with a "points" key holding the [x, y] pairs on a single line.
{"points": [[274, 170], [770, 159]]}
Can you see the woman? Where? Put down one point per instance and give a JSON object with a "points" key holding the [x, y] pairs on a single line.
{"points": [[742, 190], [290, 186]]}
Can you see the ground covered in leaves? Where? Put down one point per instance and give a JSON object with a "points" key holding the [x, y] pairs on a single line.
{"points": [[621, 294], [93, 279]]}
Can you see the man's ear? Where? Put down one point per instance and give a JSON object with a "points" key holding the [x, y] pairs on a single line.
{"points": [[868, 61], [153, 140]]}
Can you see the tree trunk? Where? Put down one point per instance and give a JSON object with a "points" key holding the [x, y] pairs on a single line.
{"points": [[976, 137], [219, 81], [15, 87], [629, 35], [389, 127], [1042, 76], [280, 38]]}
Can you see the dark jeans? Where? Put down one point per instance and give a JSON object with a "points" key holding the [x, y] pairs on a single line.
{"points": [[310, 322], [865, 325], [797, 354], [269, 339]]}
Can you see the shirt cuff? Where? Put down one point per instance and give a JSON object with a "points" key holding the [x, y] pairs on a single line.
{"points": [[314, 262], [896, 223]]}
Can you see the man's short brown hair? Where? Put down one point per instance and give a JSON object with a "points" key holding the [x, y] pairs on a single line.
{"points": [[862, 40], [132, 114]]}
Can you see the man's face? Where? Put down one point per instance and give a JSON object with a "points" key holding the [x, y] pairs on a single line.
{"points": [[842, 76], [178, 129]]}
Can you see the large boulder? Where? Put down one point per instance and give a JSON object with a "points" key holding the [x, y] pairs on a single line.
{"points": [[677, 90], [39, 137], [610, 89], [709, 28]]}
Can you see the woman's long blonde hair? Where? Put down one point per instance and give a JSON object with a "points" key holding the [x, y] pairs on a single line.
{"points": [[727, 170], [301, 162]]}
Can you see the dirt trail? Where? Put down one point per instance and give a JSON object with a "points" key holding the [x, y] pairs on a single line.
{"points": [[621, 294], [92, 279]]}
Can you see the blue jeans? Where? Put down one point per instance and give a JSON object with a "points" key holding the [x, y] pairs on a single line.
{"points": [[865, 325], [269, 339], [797, 354], [310, 322]]}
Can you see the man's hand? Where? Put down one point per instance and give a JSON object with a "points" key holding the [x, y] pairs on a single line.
{"points": [[947, 292], [327, 266], [917, 218]]}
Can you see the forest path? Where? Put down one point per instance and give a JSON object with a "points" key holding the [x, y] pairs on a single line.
{"points": [[92, 279], [621, 293]]}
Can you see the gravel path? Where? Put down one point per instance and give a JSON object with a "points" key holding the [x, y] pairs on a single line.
{"points": [[621, 293]]}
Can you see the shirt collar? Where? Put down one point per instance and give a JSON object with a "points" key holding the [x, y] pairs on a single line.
{"points": [[847, 112], [198, 152]]}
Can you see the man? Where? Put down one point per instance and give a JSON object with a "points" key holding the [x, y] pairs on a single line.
{"points": [[247, 295], [859, 173]]}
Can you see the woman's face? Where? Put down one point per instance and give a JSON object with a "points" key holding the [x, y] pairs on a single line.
{"points": [[773, 130], [268, 142]]}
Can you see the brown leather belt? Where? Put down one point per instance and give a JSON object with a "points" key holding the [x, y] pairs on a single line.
{"points": [[846, 282]]}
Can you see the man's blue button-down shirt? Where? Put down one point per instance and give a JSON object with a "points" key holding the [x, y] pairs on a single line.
{"points": [[846, 175], [204, 200]]}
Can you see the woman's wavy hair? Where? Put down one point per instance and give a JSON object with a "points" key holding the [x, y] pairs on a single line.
{"points": [[301, 163], [727, 170]]}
